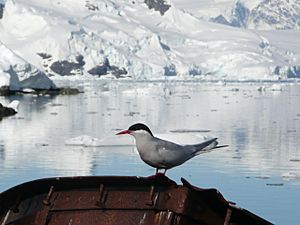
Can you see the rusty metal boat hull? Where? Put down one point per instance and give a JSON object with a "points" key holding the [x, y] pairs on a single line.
{"points": [[118, 201]]}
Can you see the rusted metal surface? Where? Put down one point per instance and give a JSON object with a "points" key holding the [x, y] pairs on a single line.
{"points": [[118, 200], [228, 216]]}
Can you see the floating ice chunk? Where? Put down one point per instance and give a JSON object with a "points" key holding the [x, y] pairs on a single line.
{"points": [[28, 90], [88, 141], [117, 140], [276, 87], [84, 140], [261, 88], [290, 175]]}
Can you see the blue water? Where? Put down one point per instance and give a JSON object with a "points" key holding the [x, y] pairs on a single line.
{"points": [[261, 127]]}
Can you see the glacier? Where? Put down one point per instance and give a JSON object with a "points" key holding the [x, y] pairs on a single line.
{"points": [[42, 41], [17, 74]]}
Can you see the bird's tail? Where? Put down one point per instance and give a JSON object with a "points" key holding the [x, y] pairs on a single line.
{"points": [[208, 146]]}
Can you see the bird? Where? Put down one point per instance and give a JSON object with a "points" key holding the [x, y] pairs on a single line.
{"points": [[163, 154]]}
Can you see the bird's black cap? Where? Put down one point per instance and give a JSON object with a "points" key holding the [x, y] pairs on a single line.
{"points": [[140, 126]]}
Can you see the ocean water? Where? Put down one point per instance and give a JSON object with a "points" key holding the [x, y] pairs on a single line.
{"points": [[260, 171]]}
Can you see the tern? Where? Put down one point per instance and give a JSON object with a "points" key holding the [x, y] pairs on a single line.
{"points": [[163, 154]]}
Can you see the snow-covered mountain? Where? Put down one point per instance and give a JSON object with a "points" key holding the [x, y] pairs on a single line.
{"points": [[254, 14], [276, 14], [151, 39]]}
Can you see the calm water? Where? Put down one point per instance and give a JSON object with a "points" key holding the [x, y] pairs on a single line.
{"points": [[262, 129]]}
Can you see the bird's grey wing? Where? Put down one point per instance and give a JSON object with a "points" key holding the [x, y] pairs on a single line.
{"points": [[172, 154], [168, 152], [164, 145], [205, 146]]}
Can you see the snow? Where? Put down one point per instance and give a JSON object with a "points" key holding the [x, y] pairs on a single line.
{"points": [[14, 105], [16, 21], [180, 44], [6, 78]]}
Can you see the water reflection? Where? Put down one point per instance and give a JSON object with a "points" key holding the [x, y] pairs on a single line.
{"points": [[260, 127], [2, 153]]}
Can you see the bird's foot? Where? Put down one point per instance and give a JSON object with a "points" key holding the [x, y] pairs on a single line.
{"points": [[159, 174], [156, 175]]}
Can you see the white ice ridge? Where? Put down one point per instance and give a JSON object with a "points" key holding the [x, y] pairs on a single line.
{"points": [[17, 74]]}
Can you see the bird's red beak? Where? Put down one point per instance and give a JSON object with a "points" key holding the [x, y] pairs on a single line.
{"points": [[123, 132]]}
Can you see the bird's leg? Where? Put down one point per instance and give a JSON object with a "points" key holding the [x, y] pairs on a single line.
{"points": [[164, 173], [160, 173]]}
